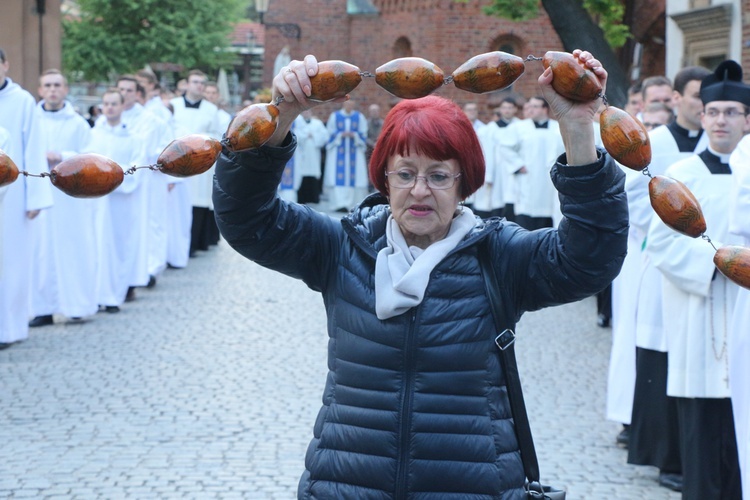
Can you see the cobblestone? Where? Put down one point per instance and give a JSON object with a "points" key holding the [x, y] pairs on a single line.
{"points": [[207, 386]]}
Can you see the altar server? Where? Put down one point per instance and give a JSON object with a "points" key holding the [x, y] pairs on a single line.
{"points": [[195, 115], [699, 301], [532, 145], [64, 276], [120, 240], [654, 438], [312, 136], [23, 201]]}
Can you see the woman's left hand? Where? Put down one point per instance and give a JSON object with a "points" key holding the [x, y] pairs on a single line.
{"points": [[566, 110]]}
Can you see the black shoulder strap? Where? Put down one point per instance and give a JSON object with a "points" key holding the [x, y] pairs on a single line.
{"points": [[505, 342]]}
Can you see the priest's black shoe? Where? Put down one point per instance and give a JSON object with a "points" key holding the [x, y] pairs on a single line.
{"points": [[602, 321], [130, 296], [41, 321], [151, 281], [5, 345], [623, 438], [671, 480]]}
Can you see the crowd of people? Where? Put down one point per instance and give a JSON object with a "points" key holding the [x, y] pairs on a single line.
{"points": [[67, 259], [677, 381], [678, 377]]}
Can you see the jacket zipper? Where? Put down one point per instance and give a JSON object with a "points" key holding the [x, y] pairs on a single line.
{"points": [[406, 403]]}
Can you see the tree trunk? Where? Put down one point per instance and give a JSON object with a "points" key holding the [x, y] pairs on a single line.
{"points": [[577, 30]]}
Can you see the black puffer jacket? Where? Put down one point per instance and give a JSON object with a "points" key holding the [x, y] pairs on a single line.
{"points": [[415, 406]]}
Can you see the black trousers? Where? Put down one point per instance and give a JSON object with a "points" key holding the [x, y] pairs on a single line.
{"points": [[309, 191], [509, 212], [654, 426], [604, 302], [710, 464], [200, 230]]}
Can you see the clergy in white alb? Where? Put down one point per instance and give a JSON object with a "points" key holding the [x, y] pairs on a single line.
{"points": [[155, 134], [64, 277], [195, 115], [120, 241], [532, 146], [23, 201], [489, 200], [311, 137], [698, 301], [739, 336], [160, 184], [654, 438], [346, 178]]}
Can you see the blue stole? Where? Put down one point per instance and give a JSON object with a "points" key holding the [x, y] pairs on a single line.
{"points": [[287, 177], [341, 159]]}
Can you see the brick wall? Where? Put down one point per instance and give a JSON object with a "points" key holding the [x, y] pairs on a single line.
{"points": [[442, 31]]}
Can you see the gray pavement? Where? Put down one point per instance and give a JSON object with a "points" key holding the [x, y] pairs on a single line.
{"points": [[207, 386]]}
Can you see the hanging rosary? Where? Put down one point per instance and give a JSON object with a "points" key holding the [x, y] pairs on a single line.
{"points": [[624, 137]]}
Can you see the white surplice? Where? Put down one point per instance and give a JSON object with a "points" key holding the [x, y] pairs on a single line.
{"points": [[649, 331], [621, 372], [491, 195], [202, 120], [537, 149], [312, 136], [158, 201], [739, 339], [155, 133], [697, 300], [64, 277], [119, 240], [25, 194]]}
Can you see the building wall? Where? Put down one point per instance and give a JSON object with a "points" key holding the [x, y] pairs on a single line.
{"points": [[733, 38], [20, 38], [444, 32]]}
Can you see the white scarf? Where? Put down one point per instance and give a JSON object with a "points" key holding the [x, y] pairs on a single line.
{"points": [[402, 272]]}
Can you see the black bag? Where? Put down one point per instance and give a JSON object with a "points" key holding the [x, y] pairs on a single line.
{"points": [[504, 341]]}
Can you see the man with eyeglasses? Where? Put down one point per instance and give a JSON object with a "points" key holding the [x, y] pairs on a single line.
{"points": [[698, 301]]}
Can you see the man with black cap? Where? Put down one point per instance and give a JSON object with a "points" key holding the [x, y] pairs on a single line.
{"points": [[698, 301]]}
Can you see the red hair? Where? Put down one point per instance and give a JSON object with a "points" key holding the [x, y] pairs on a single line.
{"points": [[434, 127]]}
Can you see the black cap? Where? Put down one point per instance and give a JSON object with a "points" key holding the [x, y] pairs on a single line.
{"points": [[725, 84]]}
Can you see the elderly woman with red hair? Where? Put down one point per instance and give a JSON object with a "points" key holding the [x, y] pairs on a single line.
{"points": [[415, 403]]}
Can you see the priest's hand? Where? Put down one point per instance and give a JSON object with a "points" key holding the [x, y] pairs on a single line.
{"points": [[31, 214]]}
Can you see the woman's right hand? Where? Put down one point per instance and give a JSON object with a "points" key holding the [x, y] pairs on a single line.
{"points": [[293, 84]]}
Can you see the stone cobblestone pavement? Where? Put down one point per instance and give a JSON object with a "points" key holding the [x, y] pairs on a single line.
{"points": [[207, 386]]}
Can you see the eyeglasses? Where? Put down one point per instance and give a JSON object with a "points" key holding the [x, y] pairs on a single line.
{"points": [[405, 179], [728, 113]]}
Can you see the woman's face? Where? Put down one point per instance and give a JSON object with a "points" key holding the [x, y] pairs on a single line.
{"points": [[422, 213]]}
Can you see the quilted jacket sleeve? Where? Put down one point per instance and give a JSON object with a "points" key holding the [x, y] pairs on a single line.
{"points": [[549, 267], [286, 237]]}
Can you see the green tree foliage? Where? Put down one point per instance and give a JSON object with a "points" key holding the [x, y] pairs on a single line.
{"points": [[117, 36], [607, 14]]}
